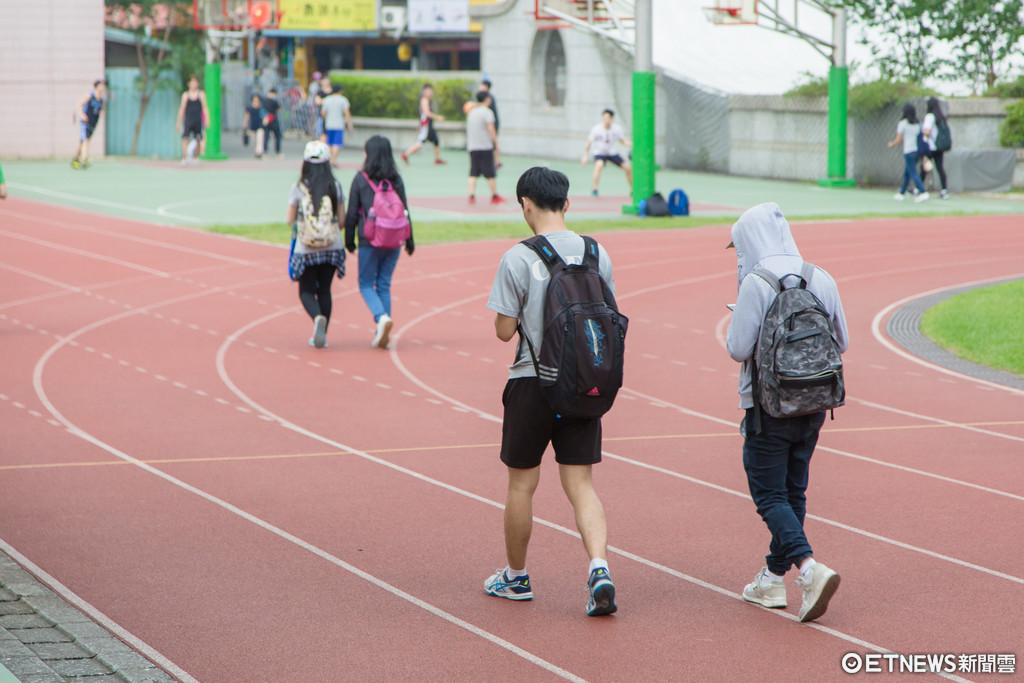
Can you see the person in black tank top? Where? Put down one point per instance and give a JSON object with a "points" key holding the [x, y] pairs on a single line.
{"points": [[192, 116], [88, 117]]}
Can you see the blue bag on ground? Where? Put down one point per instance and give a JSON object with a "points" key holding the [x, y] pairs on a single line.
{"points": [[678, 203]]}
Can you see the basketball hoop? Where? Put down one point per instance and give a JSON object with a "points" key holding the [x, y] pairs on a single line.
{"points": [[732, 12]]}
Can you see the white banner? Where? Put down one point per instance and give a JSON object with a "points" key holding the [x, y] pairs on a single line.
{"points": [[438, 16]]}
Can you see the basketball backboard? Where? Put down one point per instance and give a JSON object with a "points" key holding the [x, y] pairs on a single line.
{"points": [[732, 12]]}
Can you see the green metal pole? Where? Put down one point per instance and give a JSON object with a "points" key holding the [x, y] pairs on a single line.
{"points": [[838, 111], [212, 86], [643, 136], [643, 105], [838, 85]]}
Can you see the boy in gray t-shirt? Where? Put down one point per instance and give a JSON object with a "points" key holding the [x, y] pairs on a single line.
{"points": [[529, 423], [337, 115]]}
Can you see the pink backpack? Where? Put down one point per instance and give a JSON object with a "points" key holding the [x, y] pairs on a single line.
{"points": [[387, 222]]}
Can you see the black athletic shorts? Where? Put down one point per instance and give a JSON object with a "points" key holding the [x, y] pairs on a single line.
{"points": [[614, 158], [530, 424], [481, 163], [192, 128]]}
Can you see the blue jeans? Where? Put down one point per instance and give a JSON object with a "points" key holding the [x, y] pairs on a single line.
{"points": [[910, 173], [778, 462], [375, 269]]}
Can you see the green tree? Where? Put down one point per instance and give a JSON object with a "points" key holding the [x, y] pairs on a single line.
{"points": [[146, 18], [983, 34], [902, 36]]}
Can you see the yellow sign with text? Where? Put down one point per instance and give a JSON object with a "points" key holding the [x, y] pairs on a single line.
{"points": [[327, 15]]}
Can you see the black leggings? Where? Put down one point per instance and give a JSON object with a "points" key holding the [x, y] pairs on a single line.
{"points": [[274, 128], [937, 160], [315, 289]]}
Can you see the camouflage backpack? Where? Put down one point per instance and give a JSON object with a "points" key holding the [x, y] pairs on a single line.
{"points": [[316, 227], [798, 368]]}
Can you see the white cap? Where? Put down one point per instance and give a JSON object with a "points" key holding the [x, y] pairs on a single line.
{"points": [[316, 152]]}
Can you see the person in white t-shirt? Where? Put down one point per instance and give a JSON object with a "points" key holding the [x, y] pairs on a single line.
{"points": [[906, 132], [602, 139]]}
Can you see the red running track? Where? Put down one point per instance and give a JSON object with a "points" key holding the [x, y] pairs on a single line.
{"points": [[253, 509]]}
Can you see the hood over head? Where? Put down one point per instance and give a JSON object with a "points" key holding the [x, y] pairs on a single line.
{"points": [[761, 231]]}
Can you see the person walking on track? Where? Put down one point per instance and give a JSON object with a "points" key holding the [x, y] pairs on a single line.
{"points": [[529, 423], [192, 117], [376, 264], [87, 115], [427, 132], [316, 200], [777, 450]]}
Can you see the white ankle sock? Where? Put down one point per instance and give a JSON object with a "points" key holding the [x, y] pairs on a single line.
{"points": [[598, 563], [514, 573], [773, 578], [805, 571]]}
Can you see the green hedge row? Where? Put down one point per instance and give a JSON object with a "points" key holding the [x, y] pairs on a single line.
{"points": [[398, 98]]}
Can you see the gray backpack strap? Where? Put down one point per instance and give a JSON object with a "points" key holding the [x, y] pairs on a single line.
{"points": [[807, 272], [768, 277]]}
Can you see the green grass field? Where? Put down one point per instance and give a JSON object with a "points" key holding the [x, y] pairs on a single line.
{"points": [[984, 326]]}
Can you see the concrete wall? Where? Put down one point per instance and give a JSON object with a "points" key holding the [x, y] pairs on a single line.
{"points": [[598, 76], [51, 51], [779, 137]]}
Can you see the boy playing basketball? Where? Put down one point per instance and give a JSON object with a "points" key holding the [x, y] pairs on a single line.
{"points": [[87, 115]]}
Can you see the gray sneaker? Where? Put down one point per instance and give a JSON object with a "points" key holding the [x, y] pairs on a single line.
{"points": [[818, 588], [319, 331], [765, 592]]}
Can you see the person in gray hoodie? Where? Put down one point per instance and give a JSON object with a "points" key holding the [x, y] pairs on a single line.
{"points": [[777, 456]]}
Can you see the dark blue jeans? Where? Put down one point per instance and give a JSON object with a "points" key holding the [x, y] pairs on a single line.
{"points": [[910, 173], [778, 464]]}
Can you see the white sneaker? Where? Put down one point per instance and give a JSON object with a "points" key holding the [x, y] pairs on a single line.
{"points": [[765, 592], [898, 197], [319, 331], [923, 197], [819, 586], [384, 325], [944, 194]]}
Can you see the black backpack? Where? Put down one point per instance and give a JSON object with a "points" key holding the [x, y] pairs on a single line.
{"points": [[581, 353], [943, 139], [657, 206]]}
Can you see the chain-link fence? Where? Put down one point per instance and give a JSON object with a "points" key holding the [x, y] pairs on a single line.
{"points": [[697, 126], [764, 136]]}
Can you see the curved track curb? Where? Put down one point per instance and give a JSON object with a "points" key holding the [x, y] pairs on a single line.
{"points": [[904, 328]]}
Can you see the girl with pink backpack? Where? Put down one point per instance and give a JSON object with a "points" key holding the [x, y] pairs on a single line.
{"points": [[378, 224]]}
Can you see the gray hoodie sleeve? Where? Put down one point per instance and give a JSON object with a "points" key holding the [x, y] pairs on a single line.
{"points": [[751, 304]]}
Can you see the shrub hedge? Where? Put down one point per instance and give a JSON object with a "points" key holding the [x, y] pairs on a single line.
{"points": [[1011, 130], [398, 98]]}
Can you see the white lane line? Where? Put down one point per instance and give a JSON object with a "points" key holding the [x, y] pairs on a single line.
{"points": [[206, 253], [654, 400], [151, 653], [87, 254], [100, 202], [449, 487], [937, 420], [451, 618], [876, 331]]}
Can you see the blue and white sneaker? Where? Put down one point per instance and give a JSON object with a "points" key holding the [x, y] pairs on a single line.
{"points": [[501, 586], [602, 593]]}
